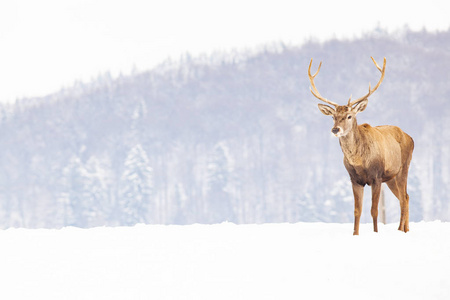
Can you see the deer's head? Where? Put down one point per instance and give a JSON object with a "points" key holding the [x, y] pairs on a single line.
{"points": [[344, 116]]}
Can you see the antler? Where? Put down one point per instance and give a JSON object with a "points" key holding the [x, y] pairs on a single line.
{"points": [[351, 103], [314, 90]]}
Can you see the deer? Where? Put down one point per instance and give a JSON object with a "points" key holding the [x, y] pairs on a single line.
{"points": [[372, 155]]}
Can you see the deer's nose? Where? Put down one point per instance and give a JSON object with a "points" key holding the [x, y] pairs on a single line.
{"points": [[335, 130]]}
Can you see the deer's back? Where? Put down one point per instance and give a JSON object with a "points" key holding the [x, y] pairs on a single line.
{"points": [[393, 135]]}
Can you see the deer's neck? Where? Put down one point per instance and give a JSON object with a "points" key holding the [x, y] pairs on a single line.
{"points": [[352, 146]]}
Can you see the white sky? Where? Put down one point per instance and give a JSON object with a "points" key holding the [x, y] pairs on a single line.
{"points": [[48, 44]]}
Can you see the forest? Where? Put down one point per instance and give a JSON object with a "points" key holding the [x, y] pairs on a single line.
{"points": [[231, 136]]}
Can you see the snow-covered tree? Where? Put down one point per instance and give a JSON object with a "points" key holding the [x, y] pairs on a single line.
{"points": [[74, 209], [136, 188], [219, 201], [84, 199]]}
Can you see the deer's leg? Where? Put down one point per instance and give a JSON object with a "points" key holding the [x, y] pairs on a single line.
{"points": [[402, 183], [376, 190], [398, 187], [404, 204], [406, 225], [404, 211], [358, 194]]}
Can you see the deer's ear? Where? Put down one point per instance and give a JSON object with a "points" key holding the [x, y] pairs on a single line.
{"points": [[361, 106], [326, 110]]}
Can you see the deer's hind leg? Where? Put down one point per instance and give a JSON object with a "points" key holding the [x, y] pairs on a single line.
{"points": [[398, 186]]}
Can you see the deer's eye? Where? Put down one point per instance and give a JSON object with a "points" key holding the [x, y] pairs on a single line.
{"points": [[349, 117]]}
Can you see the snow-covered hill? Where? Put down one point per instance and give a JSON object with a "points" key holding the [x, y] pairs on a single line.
{"points": [[227, 261], [232, 137]]}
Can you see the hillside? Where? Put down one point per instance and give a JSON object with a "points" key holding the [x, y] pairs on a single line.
{"points": [[231, 136]]}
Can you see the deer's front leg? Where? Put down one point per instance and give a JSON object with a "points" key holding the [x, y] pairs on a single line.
{"points": [[358, 194], [376, 190]]}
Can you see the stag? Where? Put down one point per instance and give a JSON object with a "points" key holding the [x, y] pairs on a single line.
{"points": [[372, 155]]}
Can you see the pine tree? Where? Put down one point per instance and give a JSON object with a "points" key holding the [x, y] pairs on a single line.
{"points": [[136, 188], [219, 200], [84, 197], [71, 199], [96, 191]]}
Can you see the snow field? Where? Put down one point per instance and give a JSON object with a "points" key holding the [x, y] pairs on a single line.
{"points": [[227, 261]]}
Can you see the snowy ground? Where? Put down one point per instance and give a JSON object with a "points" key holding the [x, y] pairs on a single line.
{"points": [[227, 261]]}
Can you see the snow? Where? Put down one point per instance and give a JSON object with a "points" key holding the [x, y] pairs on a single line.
{"points": [[227, 261]]}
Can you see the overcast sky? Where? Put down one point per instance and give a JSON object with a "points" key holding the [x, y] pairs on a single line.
{"points": [[48, 44]]}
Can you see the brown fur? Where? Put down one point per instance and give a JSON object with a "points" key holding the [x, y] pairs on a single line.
{"points": [[373, 155]]}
